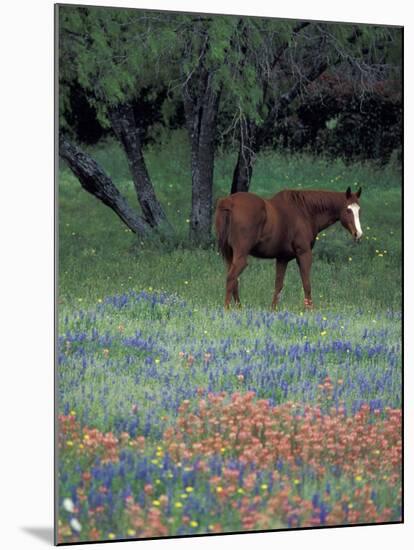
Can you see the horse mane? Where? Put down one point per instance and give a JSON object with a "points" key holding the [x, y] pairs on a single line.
{"points": [[314, 201]]}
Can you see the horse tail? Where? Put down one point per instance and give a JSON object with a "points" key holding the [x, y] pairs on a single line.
{"points": [[222, 222]]}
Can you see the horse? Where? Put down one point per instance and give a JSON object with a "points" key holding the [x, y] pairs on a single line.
{"points": [[284, 228]]}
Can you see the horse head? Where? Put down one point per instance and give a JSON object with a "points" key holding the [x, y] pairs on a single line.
{"points": [[350, 214]]}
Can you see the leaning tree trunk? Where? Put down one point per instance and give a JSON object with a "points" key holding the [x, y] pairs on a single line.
{"points": [[94, 180], [244, 167], [201, 119], [128, 133]]}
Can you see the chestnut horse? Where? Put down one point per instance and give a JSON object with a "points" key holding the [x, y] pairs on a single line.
{"points": [[283, 227]]}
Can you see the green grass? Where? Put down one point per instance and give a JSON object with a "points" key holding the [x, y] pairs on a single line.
{"points": [[100, 256], [142, 329]]}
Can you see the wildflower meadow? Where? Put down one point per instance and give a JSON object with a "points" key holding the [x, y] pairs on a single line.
{"points": [[176, 417]]}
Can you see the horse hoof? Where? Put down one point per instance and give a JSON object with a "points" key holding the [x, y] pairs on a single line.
{"points": [[308, 304]]}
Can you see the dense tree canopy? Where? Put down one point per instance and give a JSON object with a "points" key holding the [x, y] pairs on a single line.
{"points": [[236, 79]]}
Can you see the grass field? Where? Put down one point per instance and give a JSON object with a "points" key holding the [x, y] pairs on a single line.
{"points": [[177, 417]]}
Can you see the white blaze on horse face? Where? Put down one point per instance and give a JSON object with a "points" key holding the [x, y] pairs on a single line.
{"points": [[354, 207]]}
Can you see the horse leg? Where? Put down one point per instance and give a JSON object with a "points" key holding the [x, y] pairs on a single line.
{"points": [[238, 264], [281, 266], [235, 292], [304, 261], [236, 296]]}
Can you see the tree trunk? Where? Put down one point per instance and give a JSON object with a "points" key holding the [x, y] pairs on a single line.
{"points": [[94, 180], [243, 171], [128, 133], [201, 120], [252, 137]]}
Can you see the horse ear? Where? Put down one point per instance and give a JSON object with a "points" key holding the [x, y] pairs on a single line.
{"points": [[348, 193], [358, 194]]}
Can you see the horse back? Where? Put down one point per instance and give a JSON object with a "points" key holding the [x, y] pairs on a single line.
{"points": [[248, 211]]}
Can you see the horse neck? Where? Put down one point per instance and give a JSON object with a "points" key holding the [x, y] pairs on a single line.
{"points": [[323, 218]]}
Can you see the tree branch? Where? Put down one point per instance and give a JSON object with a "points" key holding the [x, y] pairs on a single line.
{"points": [[96, 182]]}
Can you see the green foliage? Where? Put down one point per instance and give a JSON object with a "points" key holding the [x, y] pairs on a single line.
{"points": [[114, 54], [105, 52], [332, 123]]}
